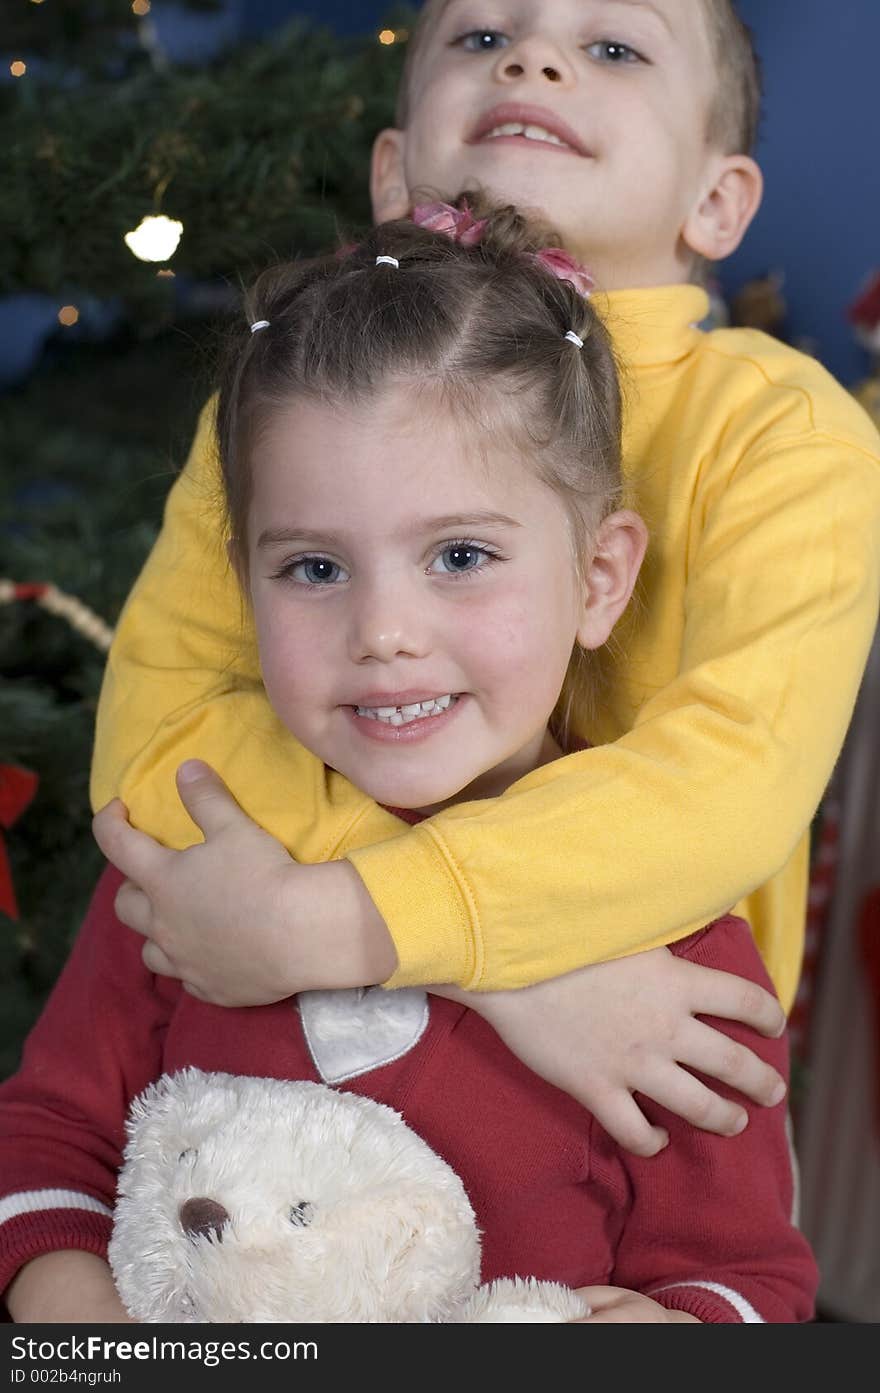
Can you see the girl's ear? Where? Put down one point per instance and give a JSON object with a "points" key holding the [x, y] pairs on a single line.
{"points": [[388, 191], [719, 220], [611, 575]]}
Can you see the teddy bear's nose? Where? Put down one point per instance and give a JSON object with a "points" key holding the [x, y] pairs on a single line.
{"points": [[203, 1216]]}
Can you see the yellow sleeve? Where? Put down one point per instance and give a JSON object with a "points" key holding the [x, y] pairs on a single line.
{"points": [[183, 680], [639, 842]]}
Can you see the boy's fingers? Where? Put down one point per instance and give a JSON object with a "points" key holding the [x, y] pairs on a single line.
{"points": [[133, 908], [679, 1092], [624, 1121], [715, 1054], [134, 853], [156, 961], [716, 993], [206, 797]]}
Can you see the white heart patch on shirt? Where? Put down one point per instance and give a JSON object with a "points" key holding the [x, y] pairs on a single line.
{"points": [[353, 1030]]}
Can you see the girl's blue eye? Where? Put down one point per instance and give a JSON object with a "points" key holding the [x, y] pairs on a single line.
{"points": [[460, 557], [482, 41], [316, 570], [610, 51]]}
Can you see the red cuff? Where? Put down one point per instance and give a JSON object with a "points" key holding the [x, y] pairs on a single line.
{"points": [[707, 1305], [29, 1236]]}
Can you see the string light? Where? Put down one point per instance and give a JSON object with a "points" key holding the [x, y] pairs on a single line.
{"points": [[18, 68], [155, 238], [387, 36], [67, 315], [141, 7]]}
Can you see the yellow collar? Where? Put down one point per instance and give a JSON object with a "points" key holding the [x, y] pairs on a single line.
{"points": [[654, 325]]}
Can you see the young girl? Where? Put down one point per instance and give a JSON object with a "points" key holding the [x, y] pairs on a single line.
{"points": [[420, 447]]}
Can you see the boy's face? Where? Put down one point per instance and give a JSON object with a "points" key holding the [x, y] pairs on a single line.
{"points": [[415, 597], [593, 112]]}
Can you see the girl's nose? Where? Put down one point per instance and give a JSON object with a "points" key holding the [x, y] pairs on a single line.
{"points": [[537, 57], [388, 624]]}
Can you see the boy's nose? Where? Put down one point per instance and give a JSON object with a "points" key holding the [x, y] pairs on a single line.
{"points": [[533, 56]]}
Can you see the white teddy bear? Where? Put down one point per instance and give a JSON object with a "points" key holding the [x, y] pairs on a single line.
{"points": [[246, 1199]]}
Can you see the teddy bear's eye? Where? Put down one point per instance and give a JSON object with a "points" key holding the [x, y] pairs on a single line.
{"points": [[189, 1154], [301, 1214]]}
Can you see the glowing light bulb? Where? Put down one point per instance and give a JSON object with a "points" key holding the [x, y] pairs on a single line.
{"points": [[141, 7], [387, 36], [67, 315], [18, 68], [155, 238]]}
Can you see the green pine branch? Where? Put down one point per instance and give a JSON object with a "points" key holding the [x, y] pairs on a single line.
{"points": [[261, 155]]}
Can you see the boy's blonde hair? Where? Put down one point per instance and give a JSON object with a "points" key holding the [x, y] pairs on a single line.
{"points": [[735, 112]]}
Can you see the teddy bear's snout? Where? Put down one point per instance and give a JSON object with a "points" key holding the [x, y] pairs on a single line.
{"points": [[202, 1217]]}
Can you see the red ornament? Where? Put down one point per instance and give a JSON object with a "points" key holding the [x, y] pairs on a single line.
{"points": [[864, 311], [17, 788]]}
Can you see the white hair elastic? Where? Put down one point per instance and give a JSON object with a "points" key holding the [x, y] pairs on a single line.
{"points": [[388, 261], [574, 338], [259, 324]]}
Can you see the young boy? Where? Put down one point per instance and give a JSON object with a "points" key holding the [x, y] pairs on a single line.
{"points": [[626, 124]]}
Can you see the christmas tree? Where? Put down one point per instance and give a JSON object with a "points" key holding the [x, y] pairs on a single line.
{"points": [[260, 154]]}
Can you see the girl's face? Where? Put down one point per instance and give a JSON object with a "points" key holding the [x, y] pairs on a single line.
{"points": [[415, 596]]}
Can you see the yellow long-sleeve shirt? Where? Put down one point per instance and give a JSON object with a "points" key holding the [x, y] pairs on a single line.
{"points": [[732, 684]]}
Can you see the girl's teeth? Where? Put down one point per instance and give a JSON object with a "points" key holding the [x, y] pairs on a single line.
{"points": [[404, 715]]}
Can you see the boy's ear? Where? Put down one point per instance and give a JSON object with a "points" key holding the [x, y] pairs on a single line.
{"points": [[611, 575], [388, 191], [717, 224]]}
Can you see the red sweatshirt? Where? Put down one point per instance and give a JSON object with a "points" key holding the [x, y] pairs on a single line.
{"points": [[703, 1227]]}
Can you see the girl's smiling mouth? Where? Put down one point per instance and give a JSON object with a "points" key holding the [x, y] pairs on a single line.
{"points": [[413, 720]]}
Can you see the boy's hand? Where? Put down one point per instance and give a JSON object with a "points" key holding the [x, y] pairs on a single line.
{"points": [[235, 918], [608, 1031], [616, 1305]]}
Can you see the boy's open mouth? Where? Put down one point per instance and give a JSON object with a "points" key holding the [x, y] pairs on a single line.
{"points": [[529, 123]]}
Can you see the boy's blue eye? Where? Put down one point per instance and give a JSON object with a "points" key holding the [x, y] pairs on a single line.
{"points": [[482, 41], [610, 51]]}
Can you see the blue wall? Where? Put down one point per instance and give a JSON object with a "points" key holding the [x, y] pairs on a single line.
{"points": [[820, 152]]}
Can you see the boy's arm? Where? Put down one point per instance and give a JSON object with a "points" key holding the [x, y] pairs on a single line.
{"points": [[96, 1044], [636, 843], [709, 1229]]}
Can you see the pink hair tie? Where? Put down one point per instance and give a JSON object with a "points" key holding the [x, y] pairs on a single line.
{"points": [[565, 268], [458, 224]]}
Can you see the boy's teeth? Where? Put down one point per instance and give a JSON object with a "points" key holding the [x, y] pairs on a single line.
{"points": [[530, 132], [404, 715]]}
